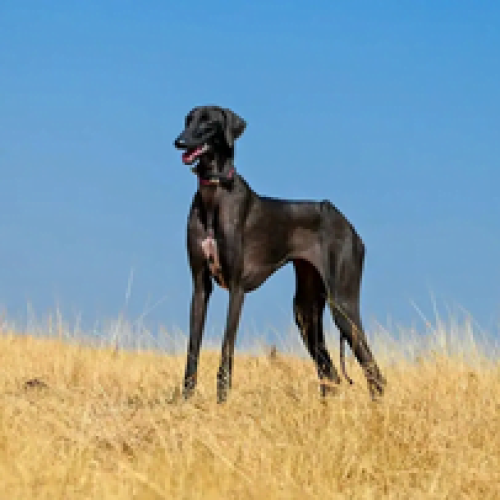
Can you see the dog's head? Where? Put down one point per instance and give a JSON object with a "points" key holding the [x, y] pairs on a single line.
{"points": [[209, 131]]}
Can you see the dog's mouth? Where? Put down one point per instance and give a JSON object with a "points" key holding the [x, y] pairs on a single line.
{"points": [[192, 154]]}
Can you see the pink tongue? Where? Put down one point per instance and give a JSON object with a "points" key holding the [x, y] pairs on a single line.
{"points": [[190, 156]]}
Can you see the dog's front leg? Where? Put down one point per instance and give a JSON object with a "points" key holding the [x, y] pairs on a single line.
{"points": [[224, 375], [201, 293]]}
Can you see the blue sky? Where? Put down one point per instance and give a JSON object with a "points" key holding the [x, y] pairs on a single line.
{"points": [[389, 109]]}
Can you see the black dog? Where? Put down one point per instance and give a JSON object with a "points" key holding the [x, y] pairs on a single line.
{"points": [[239, 239]]}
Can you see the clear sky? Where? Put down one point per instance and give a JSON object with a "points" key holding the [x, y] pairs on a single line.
{"points": [[389, 109]]}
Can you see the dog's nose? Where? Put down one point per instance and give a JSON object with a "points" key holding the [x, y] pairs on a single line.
{"points": [[180, 142]]}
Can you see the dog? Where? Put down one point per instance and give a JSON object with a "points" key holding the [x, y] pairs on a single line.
{"points": [[238, 239]]}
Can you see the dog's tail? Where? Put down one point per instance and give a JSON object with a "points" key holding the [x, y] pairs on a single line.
{"points": [[342, 359]]}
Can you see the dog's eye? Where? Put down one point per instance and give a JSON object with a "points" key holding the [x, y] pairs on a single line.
{"points": [[205, 126]]}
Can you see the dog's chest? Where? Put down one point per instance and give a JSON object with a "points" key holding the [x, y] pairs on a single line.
{"points": [[211, 252], [219, 219]]}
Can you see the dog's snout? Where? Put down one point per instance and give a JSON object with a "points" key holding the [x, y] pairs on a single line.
{"points": [[181, 142], [193, 137]]}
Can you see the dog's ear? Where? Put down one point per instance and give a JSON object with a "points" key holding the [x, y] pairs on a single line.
{"points": [[234, 126]]}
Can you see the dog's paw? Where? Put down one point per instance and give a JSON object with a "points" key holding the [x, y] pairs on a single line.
{"points": [[329, 388], [377, 387]]}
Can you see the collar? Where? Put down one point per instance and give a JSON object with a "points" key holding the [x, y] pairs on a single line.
{"points": [[215, 179]]}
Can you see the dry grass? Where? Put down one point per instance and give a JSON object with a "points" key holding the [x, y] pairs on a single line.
{"points": [[83, 422]]}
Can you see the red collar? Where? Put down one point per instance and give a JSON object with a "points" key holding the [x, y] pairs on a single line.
{"points": [[217, 179]]}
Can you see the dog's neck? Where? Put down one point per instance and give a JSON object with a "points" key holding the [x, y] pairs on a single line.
{"points": [[214, 178], [216, 172]]}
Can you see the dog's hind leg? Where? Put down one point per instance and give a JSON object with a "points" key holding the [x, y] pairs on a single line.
{"points": [[344, 302], [308, 307]]}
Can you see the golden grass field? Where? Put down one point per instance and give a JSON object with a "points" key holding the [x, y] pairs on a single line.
{"points": [[80, 421]]}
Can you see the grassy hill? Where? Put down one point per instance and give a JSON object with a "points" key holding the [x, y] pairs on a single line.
{"points": [[82, 421]]}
